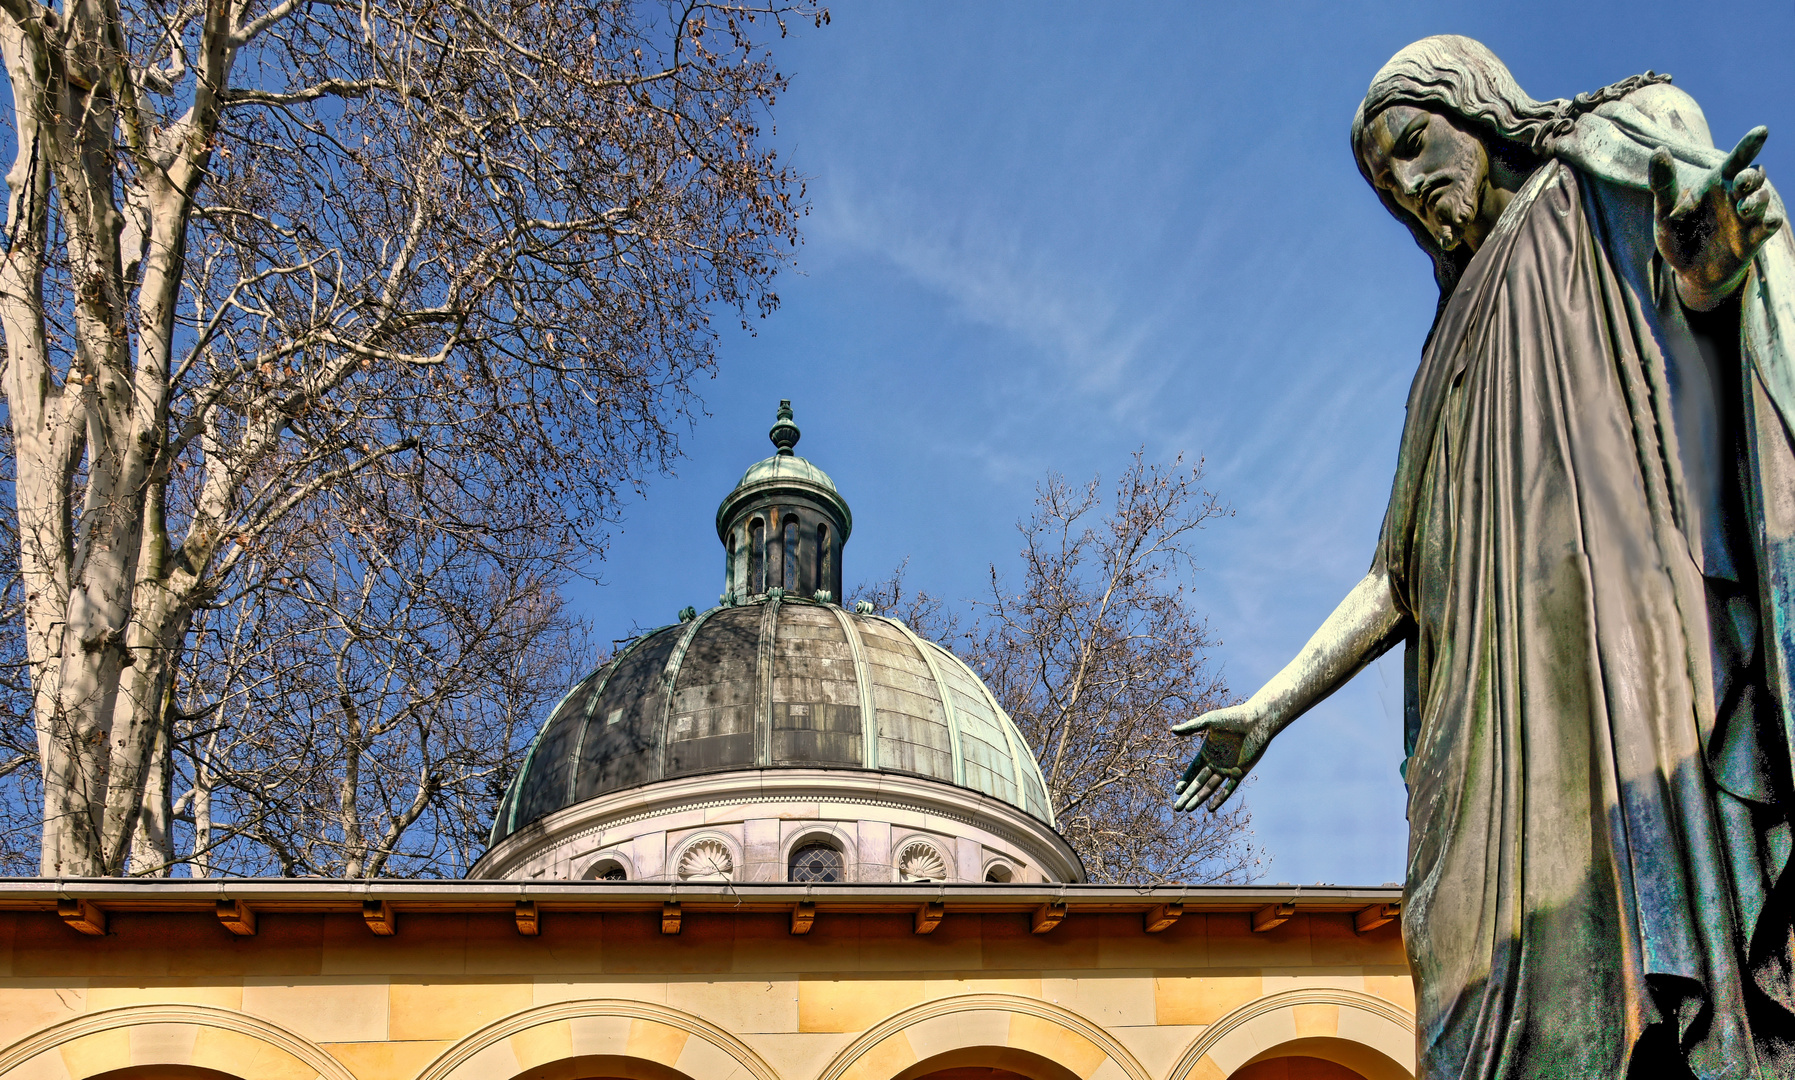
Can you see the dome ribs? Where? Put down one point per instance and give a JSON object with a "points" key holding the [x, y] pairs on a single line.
{"points": [[912, 725], [869, 713], [944, 694], [620, 746]]}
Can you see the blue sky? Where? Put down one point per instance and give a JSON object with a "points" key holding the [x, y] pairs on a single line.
{"points": [[1043, 235]]}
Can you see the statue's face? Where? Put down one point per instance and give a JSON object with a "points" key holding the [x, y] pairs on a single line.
{"points": [[1433, 168]]}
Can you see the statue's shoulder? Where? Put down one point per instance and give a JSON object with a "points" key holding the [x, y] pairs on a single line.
{"points": [[1669, 107]]}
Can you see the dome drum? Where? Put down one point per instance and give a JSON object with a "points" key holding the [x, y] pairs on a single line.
{"points": [[747, 827]]}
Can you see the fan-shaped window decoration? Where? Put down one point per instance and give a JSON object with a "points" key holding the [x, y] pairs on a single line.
{"points": [[920, 861], [816, 862], [1000, 873], [707, 860]]}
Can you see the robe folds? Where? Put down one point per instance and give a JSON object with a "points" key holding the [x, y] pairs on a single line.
{"points": [[1596, 877]]}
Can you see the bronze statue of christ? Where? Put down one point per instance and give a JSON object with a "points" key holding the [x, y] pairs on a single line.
{"points": [[1589, 555]]}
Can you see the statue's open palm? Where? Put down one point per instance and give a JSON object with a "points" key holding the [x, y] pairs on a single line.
{"points": [[1209, 780], [1710, 232]]}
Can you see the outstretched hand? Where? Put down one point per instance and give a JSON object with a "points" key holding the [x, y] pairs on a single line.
{"points": [[1710, 232], [1212, 781]]}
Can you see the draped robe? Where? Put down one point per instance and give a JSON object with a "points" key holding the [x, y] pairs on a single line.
{"points": [[1596, 880]]}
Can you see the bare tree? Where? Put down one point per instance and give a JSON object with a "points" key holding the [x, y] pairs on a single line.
{"points": [[357, 709], [271, 255], [1095, 655]]}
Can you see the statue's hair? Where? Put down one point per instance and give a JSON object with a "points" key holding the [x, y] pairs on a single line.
{"points": [[1451, 74]]}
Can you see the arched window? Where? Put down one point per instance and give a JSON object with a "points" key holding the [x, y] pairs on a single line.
{"points": [[729, 566], [824, 578], [790, 580], [608, 870], [757, 557], [999, 873], [817, 862]]}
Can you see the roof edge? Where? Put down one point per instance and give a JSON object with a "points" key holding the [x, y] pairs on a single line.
{"points": [[297, 894]]}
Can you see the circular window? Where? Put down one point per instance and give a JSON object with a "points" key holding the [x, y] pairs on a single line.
{"points": [[816, 862], [707, 860]]}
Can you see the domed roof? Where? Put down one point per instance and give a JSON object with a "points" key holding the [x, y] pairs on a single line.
{"points": [[779, 682]]}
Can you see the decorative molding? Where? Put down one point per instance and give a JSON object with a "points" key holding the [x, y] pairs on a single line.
{"points": [[1011, 1003], [1287, 999], [1034, 840], [498, 1031], [920, 860], [706, 858], [128, 1016]]}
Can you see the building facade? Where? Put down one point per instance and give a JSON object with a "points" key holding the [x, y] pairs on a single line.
{"points": [[777, 840]]}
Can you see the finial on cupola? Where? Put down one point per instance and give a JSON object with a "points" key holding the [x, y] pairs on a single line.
{"points": [[784, 433]]}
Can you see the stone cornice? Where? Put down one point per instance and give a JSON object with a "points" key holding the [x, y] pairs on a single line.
{"points": [[327, 894]]}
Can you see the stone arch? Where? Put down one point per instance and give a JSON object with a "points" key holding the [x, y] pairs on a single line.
{"points": [[605, 860], [609, 1066], [821, 832], [1005, 1060], [1371, 1036], [987, 1030], [169, 1040], [164, 1072], [635, 1039]]}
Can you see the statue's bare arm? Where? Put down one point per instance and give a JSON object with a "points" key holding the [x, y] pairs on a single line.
{"points": [[1359, 631]]}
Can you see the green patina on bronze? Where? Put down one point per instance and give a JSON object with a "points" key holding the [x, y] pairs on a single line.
{"points": [[1589, 553]]}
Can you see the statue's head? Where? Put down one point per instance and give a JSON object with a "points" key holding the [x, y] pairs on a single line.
{"points": [[1424, 137], [1439, 117]]}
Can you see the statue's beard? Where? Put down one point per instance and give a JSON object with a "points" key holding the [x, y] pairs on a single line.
{"points": [[1456, 205]]}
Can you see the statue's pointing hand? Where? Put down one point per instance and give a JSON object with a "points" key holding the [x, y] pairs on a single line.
{"points": [[1234, 738], [1710, 232]]}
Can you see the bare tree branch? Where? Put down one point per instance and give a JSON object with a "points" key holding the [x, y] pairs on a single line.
{"points": [[1095, 654], [299, 293]]}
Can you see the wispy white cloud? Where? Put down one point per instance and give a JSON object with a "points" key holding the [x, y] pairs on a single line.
{"points": [[993, 272]]}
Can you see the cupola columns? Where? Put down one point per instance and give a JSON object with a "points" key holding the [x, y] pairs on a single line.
{"points": [[783, 526]]}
